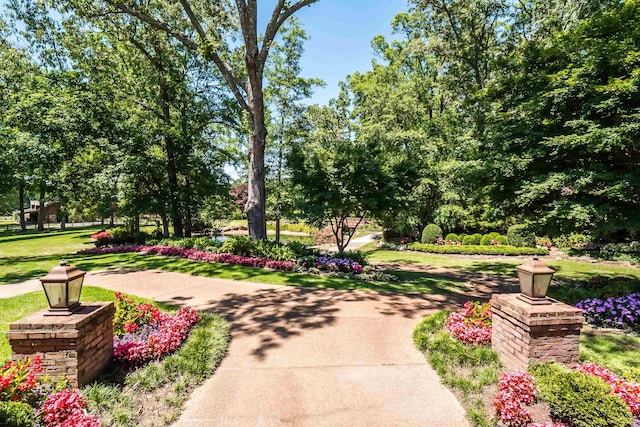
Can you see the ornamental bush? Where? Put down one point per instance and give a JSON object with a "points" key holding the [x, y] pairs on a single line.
{"points": [[18, 378], [579, 399], [472, 239], [489, 239], [612, 312], [431, 233], [476, 249], [519, 236], [452, 237], [16, 414]]}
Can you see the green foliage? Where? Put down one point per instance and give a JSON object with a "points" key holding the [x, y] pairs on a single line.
{"points": [[573, 240], [476, 249], [487, 239], [519, 235], [502, 240], [431, 233], [452, 237], [472, 239], [16, 414], [357, 256], [238, 245], [578, 399]]}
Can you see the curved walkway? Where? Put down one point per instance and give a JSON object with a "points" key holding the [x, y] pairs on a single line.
{"points": [[306, 357]]}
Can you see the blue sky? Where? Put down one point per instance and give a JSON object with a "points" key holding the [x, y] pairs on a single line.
{"points": [[340, 34]]}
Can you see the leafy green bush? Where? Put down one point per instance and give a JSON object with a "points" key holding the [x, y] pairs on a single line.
{"points": [[578, 399], [204, 243], [518, 235], [487, 239], [452, 237], [121, 235], [461, 237], [502, 240], [573, 240], [476, 249], [300, 249], [238, 245], [357, 256], [271, 250], [472, 239], [16, 414], [431, 233]]}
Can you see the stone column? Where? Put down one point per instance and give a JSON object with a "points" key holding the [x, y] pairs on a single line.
{"points": [[525, 334], [77, 347]]}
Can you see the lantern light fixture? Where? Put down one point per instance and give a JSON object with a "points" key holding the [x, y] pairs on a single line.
{"points": [[62, 286]]}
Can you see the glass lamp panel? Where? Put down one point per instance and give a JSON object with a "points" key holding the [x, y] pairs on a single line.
{"points": [[541, 284], [75, 287], [56, 294], [526, 282]]}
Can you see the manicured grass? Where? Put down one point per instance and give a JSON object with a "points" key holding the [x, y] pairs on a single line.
{"points": [[33, 253], [612, 349], [409, 283]]}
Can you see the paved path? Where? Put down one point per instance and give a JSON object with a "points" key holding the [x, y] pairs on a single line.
{"points": [[305, 357], [358, 242]]}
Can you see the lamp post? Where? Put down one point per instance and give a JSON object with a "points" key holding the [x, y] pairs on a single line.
{"points": [[534, 277], [62, 286]]}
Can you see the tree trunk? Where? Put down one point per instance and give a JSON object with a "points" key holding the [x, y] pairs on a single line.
{"points": [[188, 218], [23, 222], [41, 211], [165, 223]]}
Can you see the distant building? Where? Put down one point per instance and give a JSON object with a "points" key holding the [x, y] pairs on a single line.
{"points": [[33, 211]]}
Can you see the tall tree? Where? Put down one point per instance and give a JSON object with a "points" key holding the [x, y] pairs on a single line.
{"points": [[210, 27]]}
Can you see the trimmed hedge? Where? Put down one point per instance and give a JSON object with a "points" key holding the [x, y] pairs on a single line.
{"points": [[452, 237], [431, 233], [472, 239], [578, 399], [476, 249]]}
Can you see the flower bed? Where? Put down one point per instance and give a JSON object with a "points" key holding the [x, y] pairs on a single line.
{"points": [[471, 325], [323, 263], [612, 312], [65, 408], [515, 390], [143, 333], [194, 255], [629, 392]]}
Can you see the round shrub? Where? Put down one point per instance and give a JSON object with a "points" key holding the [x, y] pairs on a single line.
{"points": [[502, 240], [238, 245], [461, 237], [472, 239], [452, 237], [487, 239], [16, 414], [578, 399], [518, 235], [431, 233]]}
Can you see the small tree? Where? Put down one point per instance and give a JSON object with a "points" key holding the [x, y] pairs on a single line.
{"points": [[336, 174]]}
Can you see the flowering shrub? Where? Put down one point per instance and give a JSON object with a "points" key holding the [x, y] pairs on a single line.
{"points": [[471, 325], [195, 255], [515, 389], [102, 238], [629, 392], [19, 378], [65, 408], [152, 335], [612, 312], [129, 316]]}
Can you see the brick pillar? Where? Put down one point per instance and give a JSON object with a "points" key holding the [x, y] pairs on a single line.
{"points": [[77, 347], [525, 334]]}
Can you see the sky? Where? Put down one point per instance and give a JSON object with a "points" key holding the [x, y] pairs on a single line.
{"points": [[340, 34]]}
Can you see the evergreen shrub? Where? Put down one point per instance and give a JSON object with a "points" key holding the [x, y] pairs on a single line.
{"points": [[431, 233], [476, 249], [519, 236], [579, 399], [16, 414], [452, 237], [472, 239]]}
